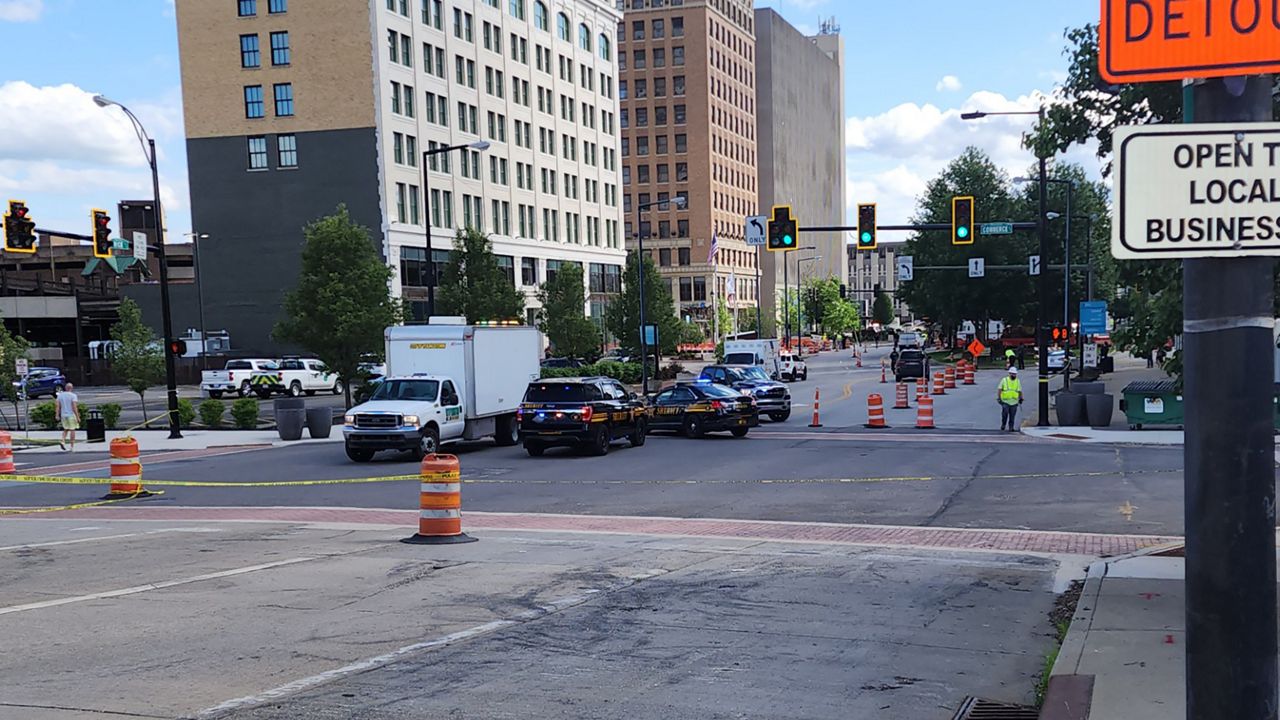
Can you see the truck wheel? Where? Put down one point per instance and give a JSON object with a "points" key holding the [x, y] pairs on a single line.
{"points": [[638, 435], [215, 394], [805, 377], [506, 431], [780, 416], [245, 389], [693, 428], [359, 455], [428, 443], [599, 443], [295, 389], [739, 432], [338, 387], [534, 449]]}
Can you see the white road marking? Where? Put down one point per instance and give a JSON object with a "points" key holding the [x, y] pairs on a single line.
{"points": [[151, 586], [360, 666], [106, 537]]}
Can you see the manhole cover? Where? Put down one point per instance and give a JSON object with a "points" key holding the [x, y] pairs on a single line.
{"points": [[979, 709]]}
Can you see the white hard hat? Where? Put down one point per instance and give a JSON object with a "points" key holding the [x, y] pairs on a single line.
{"points": [[1013, 371]]}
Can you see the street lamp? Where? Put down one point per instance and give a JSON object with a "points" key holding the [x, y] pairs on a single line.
{"points": [[680, 201], [1066, 268], [195, 254], [479, 145], [170, 371], [1042, 394], [800, 284]]}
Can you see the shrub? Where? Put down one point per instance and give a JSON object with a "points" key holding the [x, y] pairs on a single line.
{"points": [[670, 371], [244, 413], [110, 414], [186, 412], [627, 373], [211, 412], [46, 415]]}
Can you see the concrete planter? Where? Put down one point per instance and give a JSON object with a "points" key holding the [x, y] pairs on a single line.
{"points": [[289, 422], [319, 422], [1099, 408], [1070, 408]]}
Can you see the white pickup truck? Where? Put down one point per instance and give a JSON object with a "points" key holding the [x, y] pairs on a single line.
{"points": [[445, 382], [295, 376], [235, 377]]}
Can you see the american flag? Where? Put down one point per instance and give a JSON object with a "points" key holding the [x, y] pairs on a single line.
{"points": [[711, 256]]}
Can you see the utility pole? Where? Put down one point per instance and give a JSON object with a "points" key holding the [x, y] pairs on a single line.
{"points": [[1229, 457]]}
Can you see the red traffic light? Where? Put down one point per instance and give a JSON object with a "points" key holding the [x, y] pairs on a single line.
{"points": [[178, 347], [20, 212]]}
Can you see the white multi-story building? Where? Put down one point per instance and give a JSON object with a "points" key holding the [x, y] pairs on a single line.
{"points": [[294, 107]]}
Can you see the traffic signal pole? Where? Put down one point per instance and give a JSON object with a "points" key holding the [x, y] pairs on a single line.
{"points": [[1042, 333], [170, 368], [1228, 456]]}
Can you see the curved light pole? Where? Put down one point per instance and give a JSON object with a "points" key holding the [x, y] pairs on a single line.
{"points": [[170, 371], [680, 201], [480, 145], [1042, 394], [195, 255], [799, 286]]}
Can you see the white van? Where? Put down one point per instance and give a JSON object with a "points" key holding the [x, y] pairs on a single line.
{"points": [[762, 352]]}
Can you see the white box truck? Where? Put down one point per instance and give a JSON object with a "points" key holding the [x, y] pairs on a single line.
{"points": [[446, 381], [762, 352]]}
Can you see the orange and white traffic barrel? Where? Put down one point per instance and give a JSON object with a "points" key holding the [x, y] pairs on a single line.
{"points": [[949, 378], [970, 375], [875, 411], [900, 402], [6, 454], [939, 384], [924, 414], [126, 469], [922, 387], [440, 503]]}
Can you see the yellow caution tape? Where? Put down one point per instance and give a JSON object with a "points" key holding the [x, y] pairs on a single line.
{"points": [[56, 480], [76, 506]]}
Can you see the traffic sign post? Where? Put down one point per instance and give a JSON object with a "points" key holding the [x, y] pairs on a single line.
{"points": [[977, 267], [140, 246], [1208, 190], [1229, 450], [1093, 317], [21, 366], [757, 232], [906, 268]]}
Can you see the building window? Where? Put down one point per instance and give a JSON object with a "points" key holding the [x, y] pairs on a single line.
{"points": [[516, 8], [659, 58], [280, 48], [414, 216], [637, 29], [529, 271], [284, 99], [253, 101], [682, 143], [287, 149], [664, 257], [699, 289], [275, 7], [659, 31], [637, 61], [248, 8], [401, 196], [677, 55], [683, 255], [413, 267], [250, 57], [257, 153], [677, 85], [677, 26], [686, 289], [540, 16], [604, 47], [562, 26], [680, 114], [584, 37], [433, 14]]}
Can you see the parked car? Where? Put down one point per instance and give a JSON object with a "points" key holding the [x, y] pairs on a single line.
{"points": [[772, 397], [792, 367], [912, 364], [698, 408], [295, 376], [235, 376], [588, 413], [41, 381]]}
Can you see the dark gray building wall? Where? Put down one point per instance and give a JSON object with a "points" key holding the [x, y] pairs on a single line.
{"points": [[255, 219], [182, 302], [800, 126]]}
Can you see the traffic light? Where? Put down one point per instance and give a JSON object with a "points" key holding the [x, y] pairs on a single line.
{"points": [[867, 226], [784, 230], [101, 233], [962, 220], [19, 229], [177, 348]]}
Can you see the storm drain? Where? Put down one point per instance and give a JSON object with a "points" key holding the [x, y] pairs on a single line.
{"points": [[979, 709]]}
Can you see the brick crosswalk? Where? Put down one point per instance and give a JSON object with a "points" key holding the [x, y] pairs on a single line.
{"points": [[995, 540]]}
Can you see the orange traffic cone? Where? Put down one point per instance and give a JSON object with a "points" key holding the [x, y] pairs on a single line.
{"points": [[816, 422]]}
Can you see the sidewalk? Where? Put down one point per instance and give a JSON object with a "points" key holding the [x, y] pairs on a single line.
{"points": [[158, 440], [1128, 633]]}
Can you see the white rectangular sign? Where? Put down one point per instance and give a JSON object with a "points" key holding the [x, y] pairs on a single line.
{"points": [[977, 267], [1210, 190], [140, 245], [1091, 355], [906, 268], [20, 366], [756, 229], [1033, 264]]}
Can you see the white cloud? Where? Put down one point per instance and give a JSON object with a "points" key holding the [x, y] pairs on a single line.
{"points": [[892, 156], [63, 123], [949, 83], [20, 10]]}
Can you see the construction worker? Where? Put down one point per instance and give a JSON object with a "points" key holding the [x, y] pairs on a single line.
{"points": [[1009, 357], [1009, 395]]}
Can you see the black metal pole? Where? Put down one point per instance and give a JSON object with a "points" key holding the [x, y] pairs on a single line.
{"points": [[644, 355], [199, 268], [431, 262], [786, 299], [1066, 292], [1042, 341], [170, 369], [1229, 457]]}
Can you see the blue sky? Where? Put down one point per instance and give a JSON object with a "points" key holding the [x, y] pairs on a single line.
{"points": [[911, 68]]}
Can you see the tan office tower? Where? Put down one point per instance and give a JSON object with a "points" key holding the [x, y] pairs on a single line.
{"points": [[800, 90], [295, 106], [688, 106]]}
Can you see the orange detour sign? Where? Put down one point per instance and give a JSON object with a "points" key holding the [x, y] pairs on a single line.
{"points": [[976, 348], [1156, 40]]}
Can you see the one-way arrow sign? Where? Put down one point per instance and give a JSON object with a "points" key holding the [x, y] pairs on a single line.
{"points": [[977, 267], [906, 268], [756, 233], [1033, 265]]}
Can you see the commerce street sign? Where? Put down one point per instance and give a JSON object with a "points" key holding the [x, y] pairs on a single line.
{"points": [[1210, 190]]}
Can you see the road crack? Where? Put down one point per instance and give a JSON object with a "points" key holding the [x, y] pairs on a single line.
{"points": [[946, 504]]}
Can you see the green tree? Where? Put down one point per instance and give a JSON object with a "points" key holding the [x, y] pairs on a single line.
{"points": [[691, 333], [12, 347], [138, 358], [474, 286], [789, 305], [571, 333], [882, 309], [622, 316], [342, 303], [836, 314], [724, 318]]}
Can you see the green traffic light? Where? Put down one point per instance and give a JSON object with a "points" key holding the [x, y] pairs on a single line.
{"points": [[866, 237], [786, 240], [962, 231]]}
